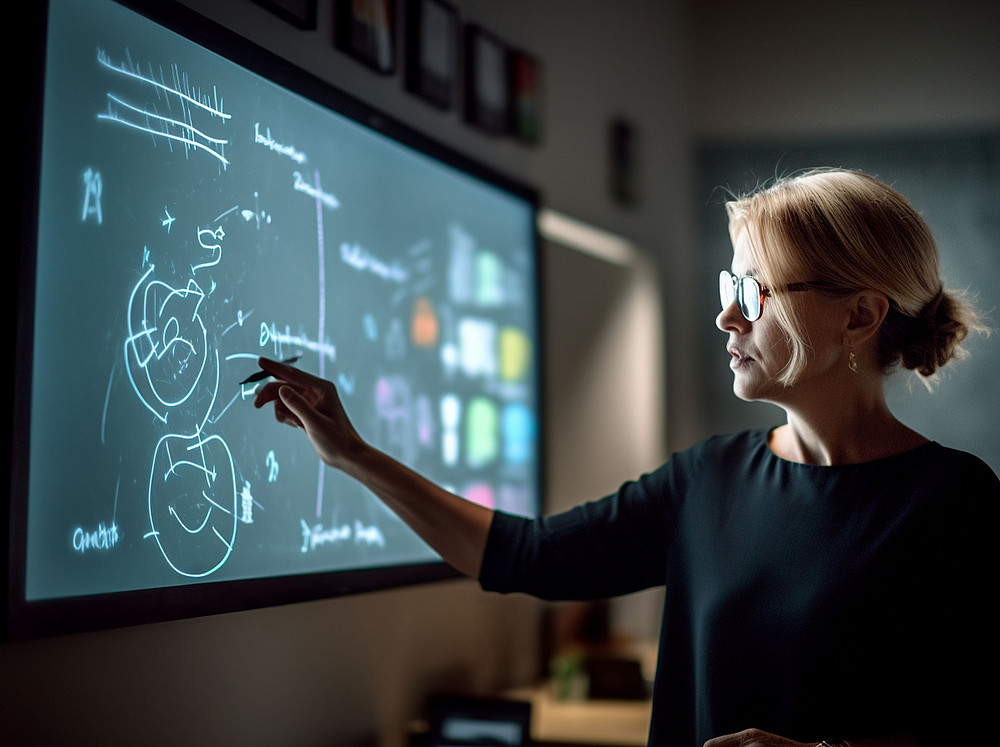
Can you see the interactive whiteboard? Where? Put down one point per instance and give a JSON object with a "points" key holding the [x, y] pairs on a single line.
{"points": [[194, 215]]}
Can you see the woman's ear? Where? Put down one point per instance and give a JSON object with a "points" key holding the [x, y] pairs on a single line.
{"points": [[868, 310]]}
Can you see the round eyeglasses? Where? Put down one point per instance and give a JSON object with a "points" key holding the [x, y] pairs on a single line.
{"points": [[749, 294]]}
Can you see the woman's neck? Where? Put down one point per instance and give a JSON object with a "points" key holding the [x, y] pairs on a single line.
{"points": [[835, 431]]}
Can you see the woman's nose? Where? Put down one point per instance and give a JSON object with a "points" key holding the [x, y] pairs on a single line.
{"points": [[731, 319]]}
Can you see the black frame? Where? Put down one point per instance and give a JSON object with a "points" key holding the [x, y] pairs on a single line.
{"points": [[420, 77], [525, 97], [490, 117], [21, 619], [359, 39], [623, 163], [299, 13]]}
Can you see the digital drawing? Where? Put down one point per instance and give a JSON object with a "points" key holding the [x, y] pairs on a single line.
{"points": [[193, 502], [145, 119], [92, 195]]}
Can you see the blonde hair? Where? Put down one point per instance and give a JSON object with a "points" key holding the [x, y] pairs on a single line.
{"points": [[845, 231]]}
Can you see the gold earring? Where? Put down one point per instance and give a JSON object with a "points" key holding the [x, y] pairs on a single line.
{"points": [[852, 360]]}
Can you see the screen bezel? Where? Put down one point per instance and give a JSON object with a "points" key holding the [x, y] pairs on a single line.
{"points": [[29, 619]]}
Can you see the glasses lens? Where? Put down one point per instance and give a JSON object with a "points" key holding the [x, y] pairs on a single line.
{"points": [[727, 289], [750, 299]]}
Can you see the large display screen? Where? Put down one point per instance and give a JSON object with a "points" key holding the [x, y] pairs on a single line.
{"points": [[192, 215]]}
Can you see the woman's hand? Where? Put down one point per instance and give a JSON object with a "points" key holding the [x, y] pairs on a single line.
{"points": [[456, 528], [755, 738], [305, 401]]}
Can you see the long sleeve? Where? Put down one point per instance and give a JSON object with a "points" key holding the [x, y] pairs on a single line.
{"points": [[612, 546]]}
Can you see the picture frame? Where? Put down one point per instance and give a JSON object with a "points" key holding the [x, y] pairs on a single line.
{"points": [[299, 13], [487, 84], [623, 162], [365, 30], [431, 55], [525, 97]]}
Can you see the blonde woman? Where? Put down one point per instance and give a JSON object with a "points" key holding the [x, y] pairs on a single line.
{"points": [[824, 580]]}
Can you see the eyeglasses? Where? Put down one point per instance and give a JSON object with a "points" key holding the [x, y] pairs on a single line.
{"points": [[749, 293]]}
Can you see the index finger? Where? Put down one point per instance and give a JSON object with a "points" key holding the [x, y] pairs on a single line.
{"points": [[288, 373]]}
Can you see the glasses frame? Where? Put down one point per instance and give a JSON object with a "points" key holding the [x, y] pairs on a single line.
{"points": [[738, 293]]}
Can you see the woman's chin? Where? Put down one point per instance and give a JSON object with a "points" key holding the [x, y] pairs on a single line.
{"points": [[751, 388]]}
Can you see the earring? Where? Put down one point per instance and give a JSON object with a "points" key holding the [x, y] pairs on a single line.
{"points": [[852, 360]]}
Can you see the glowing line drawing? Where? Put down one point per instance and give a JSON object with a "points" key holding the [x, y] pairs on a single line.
{"points": [[169, 121], [219, 506], [246, 504], [324, 198], [203, 479], [218, 234], [222, 539], [107, 399], [102, 538], [94, 186], [268, 142], [184, 526], [362, 260], [234, 208], [104, 59], [321, 272], [270, 334], [271, 462], [169, 220], [159, 334], [255, 214], [158, 126], [230, 404], [112, 116], [240, 318]]}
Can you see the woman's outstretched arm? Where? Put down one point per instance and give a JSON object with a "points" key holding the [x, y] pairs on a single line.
{"points": [[456, 528]]}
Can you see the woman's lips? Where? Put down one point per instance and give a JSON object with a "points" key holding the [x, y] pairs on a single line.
{"points": [[739, 358]]}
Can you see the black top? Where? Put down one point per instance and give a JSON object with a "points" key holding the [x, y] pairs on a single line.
{"points": [[806, 601]]}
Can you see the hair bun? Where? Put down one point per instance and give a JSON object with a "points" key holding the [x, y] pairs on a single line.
{"points": [[934, 337]]}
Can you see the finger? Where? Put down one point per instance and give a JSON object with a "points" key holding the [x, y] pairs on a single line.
{"points": [[285, 416], [297, 406], [288, 373], [267, 393], [726, 740]]}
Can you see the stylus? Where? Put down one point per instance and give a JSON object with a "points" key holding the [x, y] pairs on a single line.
{"points": [[261, 375]]}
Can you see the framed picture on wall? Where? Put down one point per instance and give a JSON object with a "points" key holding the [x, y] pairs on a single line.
{"points": [[300, 13], [365, 29], [432, 51], [623, 162], [487, 88], [525, 97]]}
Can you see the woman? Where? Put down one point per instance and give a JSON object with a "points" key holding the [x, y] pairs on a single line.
{"points": [[822, 578]]}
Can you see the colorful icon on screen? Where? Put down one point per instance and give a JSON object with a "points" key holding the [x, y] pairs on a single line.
{"points": [[424, 325], [518, 433], [477, 343], [481, 493], [489, 279], [451, 415], [461, 265], [482, 426], [424, 421], [515, 354]]}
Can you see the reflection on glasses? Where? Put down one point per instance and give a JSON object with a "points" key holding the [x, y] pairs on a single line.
{"points": [[748, 294]]}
